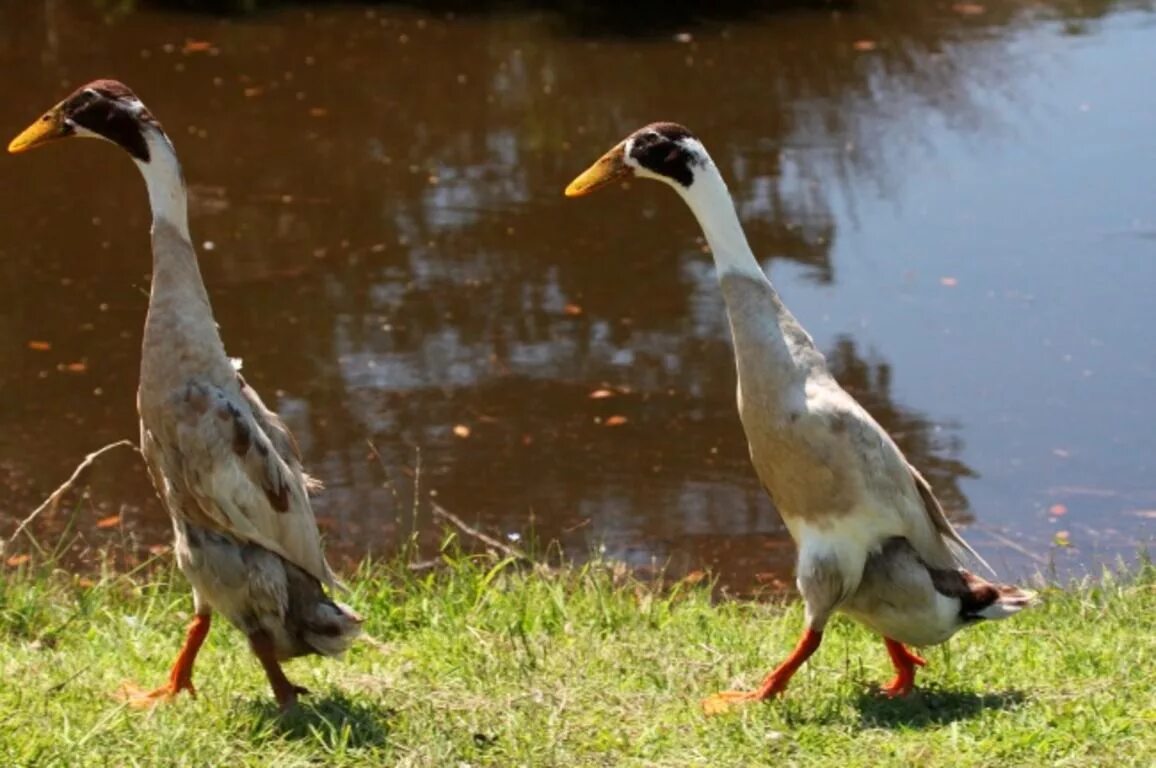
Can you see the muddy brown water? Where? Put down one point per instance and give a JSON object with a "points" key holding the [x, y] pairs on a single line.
{"points": [[955, 199]]}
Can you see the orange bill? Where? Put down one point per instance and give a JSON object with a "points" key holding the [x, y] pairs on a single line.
{"points": [[48, 128], [608, 168]]}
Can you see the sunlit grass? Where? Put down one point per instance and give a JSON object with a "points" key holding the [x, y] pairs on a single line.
{"points": [[478, 663]]}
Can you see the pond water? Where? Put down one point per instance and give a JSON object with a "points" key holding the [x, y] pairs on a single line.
{"points": [[955, 199]]}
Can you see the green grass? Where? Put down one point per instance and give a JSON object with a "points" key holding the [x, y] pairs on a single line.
{"points": [[481, 664]]}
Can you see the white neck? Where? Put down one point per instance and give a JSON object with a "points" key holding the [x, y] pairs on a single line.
{"points": [[772, 351], [177, 290], [712, 205], [166, 184]]}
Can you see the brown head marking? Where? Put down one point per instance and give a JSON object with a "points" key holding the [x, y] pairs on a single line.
{"points": [[108, 108]]}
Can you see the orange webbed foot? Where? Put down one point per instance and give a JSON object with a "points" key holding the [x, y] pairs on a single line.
{"points": [[905, 663], [727, 701], [901, 685], [181, 675], [774, 684], [141, 698]]}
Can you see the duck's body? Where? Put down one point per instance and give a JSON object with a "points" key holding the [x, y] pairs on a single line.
{"points": [[872, 539], [226, 468], [903, 597]]}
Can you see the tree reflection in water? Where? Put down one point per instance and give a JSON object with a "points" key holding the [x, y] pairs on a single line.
{"points": [[392, 257]]}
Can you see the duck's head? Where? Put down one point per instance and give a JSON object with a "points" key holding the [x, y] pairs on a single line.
{"points": [[102, 109], [667, 152]]}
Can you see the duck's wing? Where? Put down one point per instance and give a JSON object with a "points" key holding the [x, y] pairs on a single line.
{"points": [[880, 465], [939, 519], [240, 465], [279, 435]]}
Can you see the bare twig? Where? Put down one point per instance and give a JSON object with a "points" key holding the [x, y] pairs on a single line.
{"points": [[54, 498], [425, 565], [58, 687], [511, 552], [444, 514], [385, 470]]}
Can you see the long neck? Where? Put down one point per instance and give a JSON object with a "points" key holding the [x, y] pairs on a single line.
{"points": [[180, 315], [166, 184], [771, 349], [711, 203]]}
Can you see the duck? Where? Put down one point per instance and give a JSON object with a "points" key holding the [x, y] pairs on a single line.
{"points": [[226, 468], [872, 540]]}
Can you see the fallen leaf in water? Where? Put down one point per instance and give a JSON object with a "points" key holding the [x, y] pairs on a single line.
{"points": [[197, 46], [599, 394], [461, 430], [572, 310], [950, 282], [969, 9], [1062, 539], [1057, 510], [17, 560], [108, 522], [614, 421], [864, 45], [40, 346]]}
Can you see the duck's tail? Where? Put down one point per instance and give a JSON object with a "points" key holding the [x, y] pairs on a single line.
{"points": [[1007, 600], [330, 627], [324, 625], [983, 599]]}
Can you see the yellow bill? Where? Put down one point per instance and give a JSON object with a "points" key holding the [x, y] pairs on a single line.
{"points": [[48, 128], [608, 169]]}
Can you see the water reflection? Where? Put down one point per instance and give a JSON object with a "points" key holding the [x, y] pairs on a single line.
{"points": [[377, 194]]}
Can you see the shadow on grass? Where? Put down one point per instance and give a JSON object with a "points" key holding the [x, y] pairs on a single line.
{"points": [[334, 720], [931, 706]]}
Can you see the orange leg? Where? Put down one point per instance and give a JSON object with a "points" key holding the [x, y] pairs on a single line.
{"points": [[774, 683], [905, 663], [181, 675], [285, 691]]}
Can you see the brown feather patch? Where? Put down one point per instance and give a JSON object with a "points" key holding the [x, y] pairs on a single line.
{"points": [[973, 592], [278, 498], [242, 437]]}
